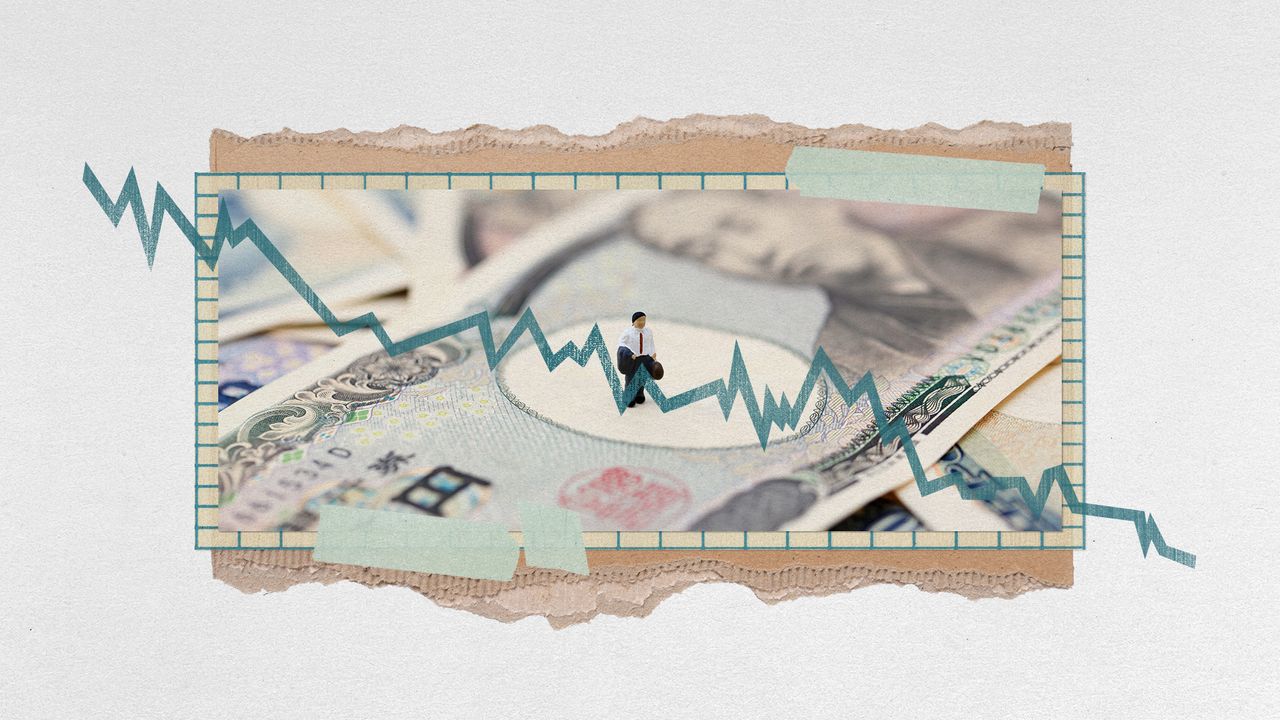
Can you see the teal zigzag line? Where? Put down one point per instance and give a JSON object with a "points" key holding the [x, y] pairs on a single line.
{"points": [[764, 414]]}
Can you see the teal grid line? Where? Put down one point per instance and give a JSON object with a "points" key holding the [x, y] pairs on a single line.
{"points": [[662, 543], [1083, 365]]}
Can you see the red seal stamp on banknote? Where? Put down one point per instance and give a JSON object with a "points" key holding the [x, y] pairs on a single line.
{"points": [[627, 498]]}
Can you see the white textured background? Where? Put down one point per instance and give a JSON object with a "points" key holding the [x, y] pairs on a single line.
{"points": [[105, 610]]}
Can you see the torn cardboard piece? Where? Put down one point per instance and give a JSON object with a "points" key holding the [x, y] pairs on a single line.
{"points": [[632, 582], [697, 143]]}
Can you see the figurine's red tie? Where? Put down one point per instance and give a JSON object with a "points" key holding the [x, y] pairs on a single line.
{"points": [[641, 343]]}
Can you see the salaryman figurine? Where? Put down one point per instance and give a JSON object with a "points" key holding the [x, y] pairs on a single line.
{"points": [[638, 340]]}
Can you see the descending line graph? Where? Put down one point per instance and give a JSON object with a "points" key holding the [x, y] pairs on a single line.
{"points": [[765, 413]]}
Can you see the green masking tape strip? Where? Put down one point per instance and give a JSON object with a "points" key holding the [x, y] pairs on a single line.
{"points": [[916, 179], [553, 538], [417, 543]]}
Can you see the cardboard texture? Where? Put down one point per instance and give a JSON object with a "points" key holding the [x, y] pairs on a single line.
{"points": [[633, 582]]}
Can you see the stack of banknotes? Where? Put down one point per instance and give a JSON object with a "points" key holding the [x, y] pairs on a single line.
{"points": [[955, 314]]}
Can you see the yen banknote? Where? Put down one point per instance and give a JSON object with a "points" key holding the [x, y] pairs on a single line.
{"points": [[950, 312]]}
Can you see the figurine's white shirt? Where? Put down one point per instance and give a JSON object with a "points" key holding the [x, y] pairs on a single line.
{"points": [[640, 342]]}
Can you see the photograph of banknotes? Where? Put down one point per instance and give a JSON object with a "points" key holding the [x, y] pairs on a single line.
{"points": [[954, 313]]}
